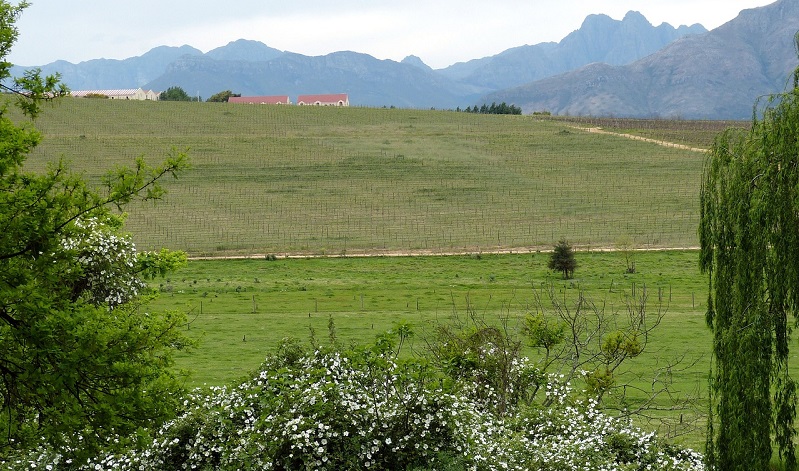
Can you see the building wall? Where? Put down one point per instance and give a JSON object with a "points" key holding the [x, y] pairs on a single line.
{"points": [[120, 94], [339, 100]]}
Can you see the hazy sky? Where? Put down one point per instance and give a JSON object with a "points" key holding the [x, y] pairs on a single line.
{"points": [[441, 32]]}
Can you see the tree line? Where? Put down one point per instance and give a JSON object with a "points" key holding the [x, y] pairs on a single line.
{"points": [[177, 93], [494, 108]]}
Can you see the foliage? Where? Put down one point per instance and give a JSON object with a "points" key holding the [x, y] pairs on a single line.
{"points": [[577, 436], [223, 96], [750, 250], [486, 361], [363, 408], [581, 343], [562, 259], [502, 108], [79, 359], [175, 94]]}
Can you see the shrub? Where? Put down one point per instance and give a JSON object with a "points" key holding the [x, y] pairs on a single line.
{"points": [[364, 409]]}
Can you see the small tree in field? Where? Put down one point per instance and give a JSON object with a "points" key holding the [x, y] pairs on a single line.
{"points": [[562, 259], [626, 246]]}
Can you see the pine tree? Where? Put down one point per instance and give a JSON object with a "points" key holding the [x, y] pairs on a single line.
{"points": [[562, 259]]}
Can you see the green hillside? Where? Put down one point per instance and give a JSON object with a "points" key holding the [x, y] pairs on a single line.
{"points": [[270, 179]]}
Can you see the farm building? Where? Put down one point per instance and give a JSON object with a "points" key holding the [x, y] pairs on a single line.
{"points": [[119, 94], [336, 99], [261, 100]]}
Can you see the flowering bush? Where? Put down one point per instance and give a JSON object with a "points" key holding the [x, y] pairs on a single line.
{"points": [[363, 409], [106, 261], [85, 366], [579, 436]]}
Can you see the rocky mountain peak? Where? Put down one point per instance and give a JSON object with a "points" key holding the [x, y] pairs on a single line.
{"points": [[416, 62]]}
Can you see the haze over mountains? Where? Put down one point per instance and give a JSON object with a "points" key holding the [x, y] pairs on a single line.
{"points": [[622, 67]]}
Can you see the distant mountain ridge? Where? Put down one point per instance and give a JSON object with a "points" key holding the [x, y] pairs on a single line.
{"points": [[599, 39], [114, 73], [368, 81], [710, 76], [251, 67], [244, 50], [622, 67]]}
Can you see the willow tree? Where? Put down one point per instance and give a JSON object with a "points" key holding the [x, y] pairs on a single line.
{"points": [[749, 235]]}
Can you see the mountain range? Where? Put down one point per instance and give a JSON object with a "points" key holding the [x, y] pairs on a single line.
{"points": [[719, 74], [613, 67]]}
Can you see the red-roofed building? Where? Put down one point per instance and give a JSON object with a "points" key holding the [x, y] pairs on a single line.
{"points": [[261, 100], [335, 99]]}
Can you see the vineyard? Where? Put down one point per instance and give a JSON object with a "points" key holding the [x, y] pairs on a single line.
{"points": [[691, 133], [271, 179]]}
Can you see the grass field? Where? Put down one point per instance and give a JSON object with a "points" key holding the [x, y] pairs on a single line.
{"points": [[330, 181], [240, 309], [249, 305], [269, 179]]}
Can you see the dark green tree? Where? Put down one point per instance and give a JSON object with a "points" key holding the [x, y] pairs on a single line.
{"points": [[81, 359], [222, 97], [502, 108], [562, 259], [175, 94], [749, 235]]}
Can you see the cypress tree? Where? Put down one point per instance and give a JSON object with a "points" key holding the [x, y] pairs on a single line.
{"points": [[749, 236]]}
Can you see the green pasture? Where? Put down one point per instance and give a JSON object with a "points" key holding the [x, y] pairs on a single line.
{"points": [[271, 179], [240, 309]]}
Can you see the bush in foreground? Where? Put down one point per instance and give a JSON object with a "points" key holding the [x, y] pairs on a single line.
{"points": [[365, 409]]}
